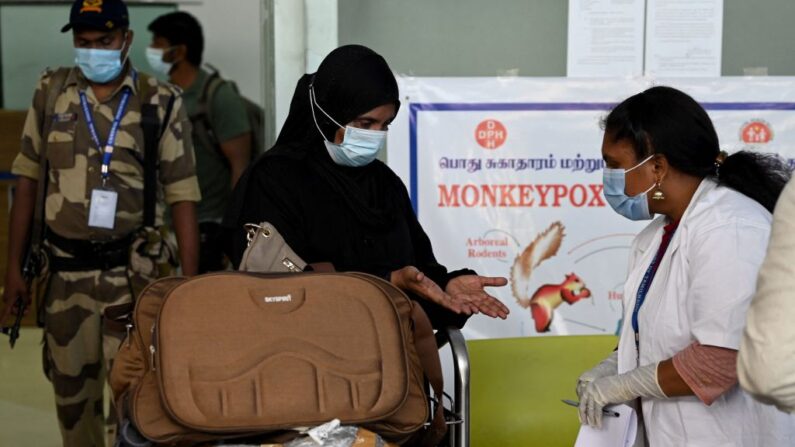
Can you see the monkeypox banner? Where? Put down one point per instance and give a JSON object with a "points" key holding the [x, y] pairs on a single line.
{"points": [[505, 175]]}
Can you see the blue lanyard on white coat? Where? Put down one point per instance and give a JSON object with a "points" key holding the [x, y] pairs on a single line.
{"points": [[645, 285], [107, 149]]}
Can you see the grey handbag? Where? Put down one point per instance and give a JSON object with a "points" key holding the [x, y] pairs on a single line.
{"points": [[268, 251]]}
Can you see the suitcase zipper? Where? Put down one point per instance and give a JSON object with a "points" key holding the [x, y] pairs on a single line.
{"points": [[138, 330], [152, 356], [129, 328], [152, 350]]}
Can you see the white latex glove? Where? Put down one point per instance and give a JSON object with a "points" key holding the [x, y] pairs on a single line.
{"points": [[640, 382], [607, 367]]}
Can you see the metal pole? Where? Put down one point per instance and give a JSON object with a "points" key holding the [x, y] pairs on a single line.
{"points": [[460, 432], [268, 71]]}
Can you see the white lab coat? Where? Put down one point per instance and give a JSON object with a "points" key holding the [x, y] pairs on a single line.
{"points": [[701, 292], [766, 362]]}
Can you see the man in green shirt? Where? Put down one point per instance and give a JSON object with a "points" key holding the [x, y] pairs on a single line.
{"points": [[221, 131]]}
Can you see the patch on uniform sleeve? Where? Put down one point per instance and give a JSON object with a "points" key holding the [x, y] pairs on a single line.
{"points": [[64, 117]]}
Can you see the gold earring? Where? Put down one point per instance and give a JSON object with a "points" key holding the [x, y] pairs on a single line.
{"points": [[658, 194]]}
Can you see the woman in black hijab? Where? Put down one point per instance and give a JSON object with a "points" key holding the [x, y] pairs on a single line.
{"points": [[332, 201]]}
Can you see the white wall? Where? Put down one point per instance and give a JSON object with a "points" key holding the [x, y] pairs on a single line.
{"points": [[305, 31], [321, 31], [232, 41], [289, 48]]}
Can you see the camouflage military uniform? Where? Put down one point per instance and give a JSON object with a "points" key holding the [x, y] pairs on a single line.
{"points": [[78, 350]]}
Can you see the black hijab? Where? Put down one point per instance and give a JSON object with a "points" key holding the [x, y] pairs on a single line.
{"points": [[351, 81]]}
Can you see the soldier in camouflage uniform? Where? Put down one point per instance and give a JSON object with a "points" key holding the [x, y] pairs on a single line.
{"points": [[90, 260]]}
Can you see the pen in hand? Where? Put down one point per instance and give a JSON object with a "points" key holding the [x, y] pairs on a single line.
{"points": [[605, 411]]}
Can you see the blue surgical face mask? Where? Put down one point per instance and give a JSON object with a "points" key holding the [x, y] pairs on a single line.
{"points": [[100, 66], [155, 58], [359, 147], [633, 208]]}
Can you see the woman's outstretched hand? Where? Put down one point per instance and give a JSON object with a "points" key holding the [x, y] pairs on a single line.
{"points": [[470, 289], [463, 295]]}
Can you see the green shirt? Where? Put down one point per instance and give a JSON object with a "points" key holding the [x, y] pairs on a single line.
{"points": [[228, 120]]}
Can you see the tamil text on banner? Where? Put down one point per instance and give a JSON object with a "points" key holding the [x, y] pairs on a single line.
{"points": [[506, 178]]}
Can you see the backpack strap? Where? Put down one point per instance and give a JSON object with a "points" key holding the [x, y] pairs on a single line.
{"points": [[209, 88], [202, 119], [427, 351], [153, 132]]}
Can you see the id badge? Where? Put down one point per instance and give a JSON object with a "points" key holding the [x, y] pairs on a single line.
{"points": [[102, 211]]}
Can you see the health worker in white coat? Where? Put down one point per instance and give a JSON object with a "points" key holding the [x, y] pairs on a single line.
{"points": [[692, 273]]}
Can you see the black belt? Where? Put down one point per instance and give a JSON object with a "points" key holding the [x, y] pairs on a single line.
{"points": [[89, 255]]}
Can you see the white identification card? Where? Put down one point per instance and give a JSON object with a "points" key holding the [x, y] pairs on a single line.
{"points": [[102, 212]]}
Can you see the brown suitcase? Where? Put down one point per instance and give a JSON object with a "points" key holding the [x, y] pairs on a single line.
{"points": [[232, 354]]}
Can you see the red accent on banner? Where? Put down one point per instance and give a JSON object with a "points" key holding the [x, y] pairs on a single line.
{"points": [[490, 134], [756, 132], [523, 195]]}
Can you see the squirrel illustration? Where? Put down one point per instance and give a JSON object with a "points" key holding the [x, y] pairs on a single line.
{"points": [[548, 297]]}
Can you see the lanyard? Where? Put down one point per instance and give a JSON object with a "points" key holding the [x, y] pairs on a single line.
{"points": [[107, 150], [645, 284]]}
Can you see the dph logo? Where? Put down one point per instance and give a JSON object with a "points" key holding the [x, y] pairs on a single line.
{"points": [[756, 132], [490, 134]]}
